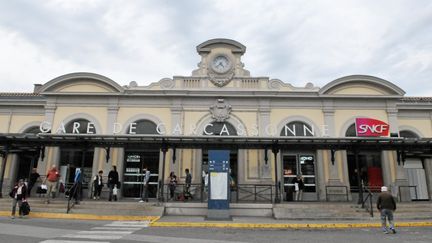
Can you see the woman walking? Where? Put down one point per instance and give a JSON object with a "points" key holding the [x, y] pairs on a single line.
{"points": [[18, 195]]}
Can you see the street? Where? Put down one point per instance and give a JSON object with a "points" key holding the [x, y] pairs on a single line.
{"points": [[81, 231]]}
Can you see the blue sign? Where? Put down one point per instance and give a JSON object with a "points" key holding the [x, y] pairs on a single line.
{"points": [[219, 190]]}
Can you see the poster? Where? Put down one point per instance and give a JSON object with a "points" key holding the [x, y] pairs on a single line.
{"points": [[218, 186]]}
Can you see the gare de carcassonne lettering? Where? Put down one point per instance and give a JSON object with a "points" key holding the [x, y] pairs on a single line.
{"points": [[207, 129]]}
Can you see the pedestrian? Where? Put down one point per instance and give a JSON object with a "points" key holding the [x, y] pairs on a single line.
{"points": [[298, 187], [97, 185], [172, 184], [77, 186], [146, 180], [113, 180], [115, 192], [188, 182], [18, 195], [386, 204], [51, 180], [34, 176], [206, 184]]}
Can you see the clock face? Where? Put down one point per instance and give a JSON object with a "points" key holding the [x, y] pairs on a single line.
{"points": [[221, 64]]}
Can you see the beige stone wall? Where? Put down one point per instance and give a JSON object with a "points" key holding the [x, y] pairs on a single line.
{"points": [[98, 113], [277, 116], [126, 113], [84, 88], [4, 123], [422, 125], [191, 120], [19, 121], [359, 90]]}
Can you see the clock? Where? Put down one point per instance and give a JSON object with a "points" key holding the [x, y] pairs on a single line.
{"points": [[221, 64]]}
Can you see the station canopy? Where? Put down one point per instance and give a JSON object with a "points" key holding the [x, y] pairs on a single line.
{"points": [[16, 143]]}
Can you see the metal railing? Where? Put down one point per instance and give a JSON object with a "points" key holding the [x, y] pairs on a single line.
{"points": [[400, 195], [369, 206], [196, 191], [254, 192], [337, 194], [74, 192]]}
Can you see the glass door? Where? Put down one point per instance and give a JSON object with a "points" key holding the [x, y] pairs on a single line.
{"points": [[133, 179], [299, 164]]}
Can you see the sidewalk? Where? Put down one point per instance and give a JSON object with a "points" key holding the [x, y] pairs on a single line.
{"points": [[270, 223]]}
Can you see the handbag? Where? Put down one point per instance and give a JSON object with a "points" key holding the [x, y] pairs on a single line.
{"points": [[61, 188], [41, 190], [25, 208]]}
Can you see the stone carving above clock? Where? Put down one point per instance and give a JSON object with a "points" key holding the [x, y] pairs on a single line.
{"points": [[221, 61]]}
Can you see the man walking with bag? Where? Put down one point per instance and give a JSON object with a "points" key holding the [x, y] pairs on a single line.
{"points": [[51, 181]]}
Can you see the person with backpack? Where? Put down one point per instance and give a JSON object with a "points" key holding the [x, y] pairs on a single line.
{"points": [[18, 195]]}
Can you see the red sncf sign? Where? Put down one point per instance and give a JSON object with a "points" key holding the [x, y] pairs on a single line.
{"points": [[367, 127]]}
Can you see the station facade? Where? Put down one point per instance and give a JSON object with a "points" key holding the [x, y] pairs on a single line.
{"points": [[221, 98]]}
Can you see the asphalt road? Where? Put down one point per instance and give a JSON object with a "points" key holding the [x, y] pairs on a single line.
{"points": [[80, 231]]}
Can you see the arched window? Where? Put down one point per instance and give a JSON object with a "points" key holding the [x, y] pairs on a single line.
{"points": [[80, 126], [142, 127], [297, 129], [351, 131], [32, 130], [408, 134]]}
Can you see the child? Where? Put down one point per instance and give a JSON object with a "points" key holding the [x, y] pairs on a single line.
{"points": [[115, 190]]}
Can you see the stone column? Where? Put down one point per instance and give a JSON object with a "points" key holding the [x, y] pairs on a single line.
{"points": [[400, 173], [428, 171], [264, 120]]}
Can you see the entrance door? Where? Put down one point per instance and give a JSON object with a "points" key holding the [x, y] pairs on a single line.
{"points": [[303, 164], [133, 182], [417, 177], [24, 164], [370, 170]]}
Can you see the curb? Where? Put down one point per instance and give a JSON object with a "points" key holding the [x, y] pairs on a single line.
{"points": [[86, 216], [285, 226], [154, 222]]}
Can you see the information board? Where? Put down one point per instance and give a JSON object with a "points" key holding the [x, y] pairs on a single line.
{"points": [[218, 179]]}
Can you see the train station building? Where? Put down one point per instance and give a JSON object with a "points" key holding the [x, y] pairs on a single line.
{"points": [[274, 131]]}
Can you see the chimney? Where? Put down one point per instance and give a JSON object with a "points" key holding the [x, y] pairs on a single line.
{"points": [[37, 87]]}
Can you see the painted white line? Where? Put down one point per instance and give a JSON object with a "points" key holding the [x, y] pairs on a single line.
{"points": [[131, 225], [105, 232], [116, 228], [95, 237], [72, 241]]}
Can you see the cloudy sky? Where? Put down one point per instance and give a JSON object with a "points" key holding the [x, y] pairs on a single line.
{"points": [[145, 41]]}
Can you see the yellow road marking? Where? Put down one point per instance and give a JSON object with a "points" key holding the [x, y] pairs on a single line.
{"points": [[284, 226], [85, 216]]}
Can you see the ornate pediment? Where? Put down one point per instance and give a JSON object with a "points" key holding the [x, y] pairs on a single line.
{"points": [[220, 110]]}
